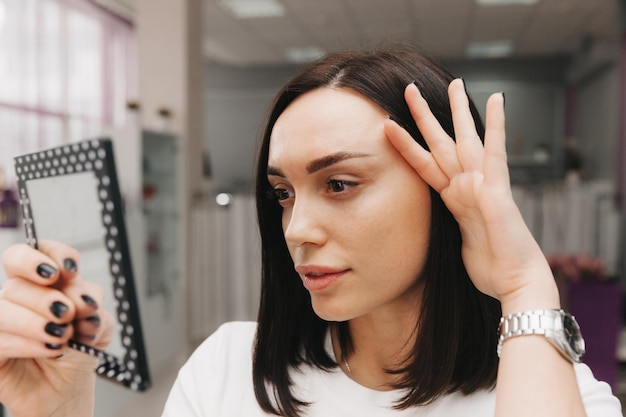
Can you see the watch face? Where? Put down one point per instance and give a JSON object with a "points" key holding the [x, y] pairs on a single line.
{"points": [[573, 335]]}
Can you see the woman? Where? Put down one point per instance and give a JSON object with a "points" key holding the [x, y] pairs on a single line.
{"points": [[390, 252]]}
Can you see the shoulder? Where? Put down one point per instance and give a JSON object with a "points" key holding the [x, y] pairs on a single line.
{"points": [[234, 334], [218, 376], [230, 346]]}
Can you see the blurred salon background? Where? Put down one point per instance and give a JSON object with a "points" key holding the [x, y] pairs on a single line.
{"points": [[181, 86]]}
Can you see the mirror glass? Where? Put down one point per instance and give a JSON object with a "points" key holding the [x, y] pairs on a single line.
{"points": [[70, 194]]}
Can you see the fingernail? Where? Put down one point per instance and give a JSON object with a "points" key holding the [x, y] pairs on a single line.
{"points": [[89, 300], [95, 320], [464, 85], [416, 86], [53, 347], [70, 264], [58, 309], [56, 330], [503, 99], [87, 336], [46, 271]]}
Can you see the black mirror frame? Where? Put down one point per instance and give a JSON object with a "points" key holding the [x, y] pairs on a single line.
{"points": [[97, 156]]}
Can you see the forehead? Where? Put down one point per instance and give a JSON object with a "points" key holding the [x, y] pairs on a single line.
{"points": [[326, 120]]}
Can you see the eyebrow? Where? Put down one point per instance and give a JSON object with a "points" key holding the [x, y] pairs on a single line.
{"points": [[321, 163]]}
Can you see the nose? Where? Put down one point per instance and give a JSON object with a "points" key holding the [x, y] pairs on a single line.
{"points": [[303, 224]]}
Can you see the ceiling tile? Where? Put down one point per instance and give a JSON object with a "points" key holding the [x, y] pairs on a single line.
{"points": [[495, 23], [443, 26]]}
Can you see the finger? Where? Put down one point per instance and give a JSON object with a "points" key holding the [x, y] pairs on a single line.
{"points": [[65, 256], [48, 302], [468, 144], [419, 158], [95, 330], [495, 165], [86, 296], [87, 328], [441, 146], [23, 261], [107, 327], [16, 346], [20, 321], [88, 299]]}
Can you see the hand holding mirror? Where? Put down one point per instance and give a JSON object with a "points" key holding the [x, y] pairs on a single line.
{"points": [[70, 194]]}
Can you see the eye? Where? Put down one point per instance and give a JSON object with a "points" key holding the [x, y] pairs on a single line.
{"points": [[339, 186], [282, 194]]}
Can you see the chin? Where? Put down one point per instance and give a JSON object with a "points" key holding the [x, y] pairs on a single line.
{"points": [[331, 311]]}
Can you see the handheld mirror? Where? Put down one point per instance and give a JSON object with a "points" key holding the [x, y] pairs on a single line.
{"points": [[70, 194]]}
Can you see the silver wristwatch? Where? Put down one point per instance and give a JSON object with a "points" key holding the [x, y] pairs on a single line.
{"points": [[558, 326]]}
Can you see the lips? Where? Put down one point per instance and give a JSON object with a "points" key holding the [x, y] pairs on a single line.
{"points": [[317, 278]]}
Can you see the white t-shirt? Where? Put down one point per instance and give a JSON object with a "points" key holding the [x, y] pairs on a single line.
{"points": [[217, 382]]}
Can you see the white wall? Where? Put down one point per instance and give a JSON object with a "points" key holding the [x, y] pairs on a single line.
{"points": [[534, 112], [236, 101]]}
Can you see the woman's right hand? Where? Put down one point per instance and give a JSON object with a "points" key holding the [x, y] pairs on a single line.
{"points": [[43, 304]]}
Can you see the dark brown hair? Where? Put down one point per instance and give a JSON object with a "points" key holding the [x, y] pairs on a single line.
{"points": [[455, 347]]}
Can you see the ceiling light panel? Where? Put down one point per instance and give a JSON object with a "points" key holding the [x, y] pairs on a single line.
{"points": [[252, 9], [504, 2], [304, 55], [497, 49]]}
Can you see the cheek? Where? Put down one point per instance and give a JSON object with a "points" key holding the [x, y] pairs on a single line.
{"points": [[403, 234], [415, 232], [398, 231]]}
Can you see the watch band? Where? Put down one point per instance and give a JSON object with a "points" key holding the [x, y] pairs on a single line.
{"points": [[563, 334]]}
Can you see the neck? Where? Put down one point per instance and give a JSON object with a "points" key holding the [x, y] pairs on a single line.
{"points": [[380, 342]]}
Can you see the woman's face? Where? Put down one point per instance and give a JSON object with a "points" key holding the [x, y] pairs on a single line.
{"points": [[356, 216]]}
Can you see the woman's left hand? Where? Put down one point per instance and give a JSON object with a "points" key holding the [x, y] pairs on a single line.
{"points": [[500, 254]]}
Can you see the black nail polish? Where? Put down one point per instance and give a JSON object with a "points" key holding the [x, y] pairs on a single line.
{"points": [[91, 337], [46, 271], [87, 299], [58, 309], [56, 330], [464, 85], [53, 347], [70, 264], [503, 99], [418, 87], [95, 320]]}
